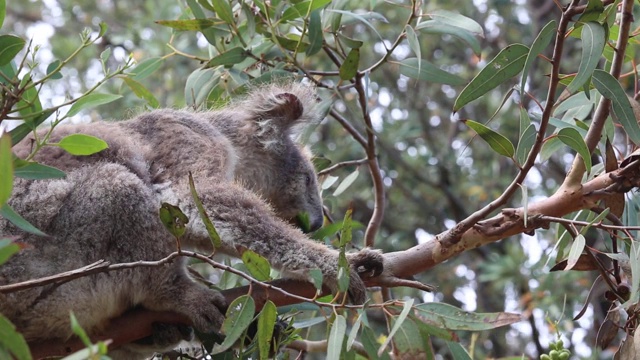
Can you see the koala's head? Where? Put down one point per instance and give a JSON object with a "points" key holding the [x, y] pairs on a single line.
{"points": [[271, 162]]}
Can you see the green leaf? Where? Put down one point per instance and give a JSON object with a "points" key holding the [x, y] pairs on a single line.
{"points": [[142, 92], [336, 338], [257, 265], [29, 101], [610, 88], [6, 168], [344, 185], [343, 272], [216, 242], [439, 28], [91, 100], [8, 213], [353, 333], [406, 307], [539, 44], [349, 42], [82, 144], [359, 18], [239, 316], [574, 140], [223, 10], [190, 24], [596, 220], [498, 142], [78, 330], [457, 351], [593, 40], [575, 252], [314, 33], [146, 68], [592, 12], [409, 342], [414, 43], [370, 344], [23, 130], [12, 340], [10, 46], [346, 231], [300, 10], [173, 219], [7, 249], [423, 70], [199, 85], [209, 34], [349, 67], [507, 64], [3, 11], [450, 317], [35, 171], [316, 277], [457, 20], [51, 68], [228, 58], [266, 324], [527, 139]]}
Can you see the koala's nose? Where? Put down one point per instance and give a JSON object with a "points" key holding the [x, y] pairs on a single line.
{"points": [[316, 223]]}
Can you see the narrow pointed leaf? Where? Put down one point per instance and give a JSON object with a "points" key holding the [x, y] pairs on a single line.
{"points": [[13, 341], [574, 253], [223, 10], [266, 324], [336, 337], [3, 11], [300, 10], [539, 44], [527, 139], [414, 43], [257, 265], [457, 20], [142, 92], [437, 27], [91, 100], [216, 242], [349, 67], [610, 88], [239, 316], [346, 183], [190, 24], [450, 317], [228, 58], [572, 138], [507, 64], [35, 171], [146, 68], [593, 39], [406, 307], [6, 168], [498, 142], [423, 70], [314, 33], [8, 213]]}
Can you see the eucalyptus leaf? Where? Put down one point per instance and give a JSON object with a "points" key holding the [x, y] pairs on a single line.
{"points": [[593, 40], [574, 140], [423, 70], [507, 64], [91, 100], [239, 316], [498, 142], [10, 46], [6, 168], [611, 89], [336, 338], [539, 44], [82, 144]]}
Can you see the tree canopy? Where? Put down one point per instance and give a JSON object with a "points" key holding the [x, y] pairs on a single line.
{"points": [[489, 148]]}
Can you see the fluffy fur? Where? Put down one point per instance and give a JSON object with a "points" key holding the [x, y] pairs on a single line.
{"points": [[251, 176]]}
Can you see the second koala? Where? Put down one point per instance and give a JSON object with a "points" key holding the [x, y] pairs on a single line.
{"points": [[252, 178]]}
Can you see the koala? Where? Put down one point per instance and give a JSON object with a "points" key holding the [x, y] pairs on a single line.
{"points": [[253, 178]]}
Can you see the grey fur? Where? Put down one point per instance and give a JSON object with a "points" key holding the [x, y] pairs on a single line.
{"points": [[250, 174]]}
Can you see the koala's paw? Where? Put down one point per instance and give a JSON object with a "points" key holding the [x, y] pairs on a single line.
{"points": [[365, 264], [168, 335], [207, 312]]}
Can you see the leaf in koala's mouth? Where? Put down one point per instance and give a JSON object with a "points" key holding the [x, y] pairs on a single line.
{"points": [[303, 221]]}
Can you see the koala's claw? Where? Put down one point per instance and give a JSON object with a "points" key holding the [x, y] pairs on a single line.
{"points": [[164, 335], [208, 313], [366, 263]]}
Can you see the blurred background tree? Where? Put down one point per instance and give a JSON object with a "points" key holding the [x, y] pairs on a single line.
{"points": [[435, 170]]}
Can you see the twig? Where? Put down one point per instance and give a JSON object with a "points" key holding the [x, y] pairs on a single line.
{"points": [[340, 165]]}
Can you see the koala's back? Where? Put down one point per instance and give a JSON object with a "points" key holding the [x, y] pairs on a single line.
{"points": [[106, 208]]}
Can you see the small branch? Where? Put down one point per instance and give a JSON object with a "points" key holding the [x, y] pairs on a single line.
{"points": [[374, 168], [340, 165], [602, 111], [452, 237]]}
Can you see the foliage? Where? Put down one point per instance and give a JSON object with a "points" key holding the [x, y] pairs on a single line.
{"points": [[403, 80]]}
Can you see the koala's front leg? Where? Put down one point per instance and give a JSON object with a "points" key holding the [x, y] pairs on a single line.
{"points": [[243, 220]]}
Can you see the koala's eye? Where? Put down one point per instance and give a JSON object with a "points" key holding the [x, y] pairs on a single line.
{"points": [[307, 180]]}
